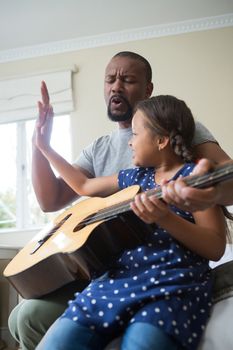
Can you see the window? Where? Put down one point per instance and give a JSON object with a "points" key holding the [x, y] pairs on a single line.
{"points": [[19, 208]]}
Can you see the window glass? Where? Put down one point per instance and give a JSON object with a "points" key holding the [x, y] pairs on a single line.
{"points": [[18, 204], [7, 175]]}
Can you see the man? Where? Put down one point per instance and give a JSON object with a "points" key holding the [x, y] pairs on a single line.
{"points": [[128, 79]]}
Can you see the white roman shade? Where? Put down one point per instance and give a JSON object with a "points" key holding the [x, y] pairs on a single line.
{"points": [[19, 96]]}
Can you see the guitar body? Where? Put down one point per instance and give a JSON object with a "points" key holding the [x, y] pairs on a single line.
{"points": [[74, 252]]}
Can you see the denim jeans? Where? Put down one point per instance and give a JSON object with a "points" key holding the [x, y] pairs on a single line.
{"points": [[65, 334]]}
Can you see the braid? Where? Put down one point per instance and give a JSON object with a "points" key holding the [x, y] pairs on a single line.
{"points": [[178, 145]]}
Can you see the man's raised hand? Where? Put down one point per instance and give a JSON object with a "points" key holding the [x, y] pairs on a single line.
{"points": [[43, 127]]}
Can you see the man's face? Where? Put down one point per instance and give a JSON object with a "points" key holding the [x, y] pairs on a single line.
{"points": [[125, 84]]}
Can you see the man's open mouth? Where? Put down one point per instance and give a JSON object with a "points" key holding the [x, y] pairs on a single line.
{"points": [[118, 101], [119, 109]]}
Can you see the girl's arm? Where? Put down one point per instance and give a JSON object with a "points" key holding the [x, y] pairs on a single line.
{"points": [[77, 180], [72, 175], [206, 237]]}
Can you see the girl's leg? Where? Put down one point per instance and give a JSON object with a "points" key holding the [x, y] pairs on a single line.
{"points": [[144, 336], [66, 334]]}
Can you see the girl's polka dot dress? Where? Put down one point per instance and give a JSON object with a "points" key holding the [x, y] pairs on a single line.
{"points": [[161, 283]]}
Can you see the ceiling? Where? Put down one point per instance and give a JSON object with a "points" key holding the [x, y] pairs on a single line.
{"points": [[33, 22]]}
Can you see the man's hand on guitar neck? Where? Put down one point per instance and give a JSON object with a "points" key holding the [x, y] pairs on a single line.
{"points": [[43, 127], [193, 199]]}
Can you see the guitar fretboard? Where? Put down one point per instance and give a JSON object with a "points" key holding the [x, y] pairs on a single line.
{"points": [[220, 174]]}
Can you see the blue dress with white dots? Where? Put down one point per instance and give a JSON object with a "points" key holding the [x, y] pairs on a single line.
{"points": [[161, 282]]}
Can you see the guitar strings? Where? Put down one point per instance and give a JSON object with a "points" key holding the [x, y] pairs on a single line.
{"points": [[224, 172]]}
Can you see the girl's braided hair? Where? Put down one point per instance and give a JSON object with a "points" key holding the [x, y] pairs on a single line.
{"points": [[168, 116]]}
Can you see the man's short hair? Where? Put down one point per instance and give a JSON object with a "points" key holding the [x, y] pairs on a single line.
{"points": [[136, 56]]}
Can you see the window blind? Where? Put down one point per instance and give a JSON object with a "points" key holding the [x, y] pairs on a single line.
{"points": [[19, 96]]}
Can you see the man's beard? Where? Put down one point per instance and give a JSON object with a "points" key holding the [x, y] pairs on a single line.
{"points": [[116, 117]]}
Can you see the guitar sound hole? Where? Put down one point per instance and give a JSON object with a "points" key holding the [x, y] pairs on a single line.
{"points": [[55, 228], [49, 234], [87, 221]]}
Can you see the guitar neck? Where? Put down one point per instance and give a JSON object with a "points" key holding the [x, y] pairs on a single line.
{"points": [[222, 173]]}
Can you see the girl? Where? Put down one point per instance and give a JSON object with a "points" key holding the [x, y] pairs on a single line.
{"points": [[159, 293]]}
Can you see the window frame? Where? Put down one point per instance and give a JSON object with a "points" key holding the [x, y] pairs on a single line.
{"points": [[18, 96], [19, 235]]}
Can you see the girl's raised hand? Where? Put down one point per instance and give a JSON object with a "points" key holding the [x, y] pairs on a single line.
{"points": [[150, 209]]}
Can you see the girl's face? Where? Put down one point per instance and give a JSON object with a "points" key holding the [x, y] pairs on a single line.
{"points": [[143, 142]]}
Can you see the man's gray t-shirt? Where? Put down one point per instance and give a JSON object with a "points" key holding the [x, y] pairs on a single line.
{"points": [[110, 153]]}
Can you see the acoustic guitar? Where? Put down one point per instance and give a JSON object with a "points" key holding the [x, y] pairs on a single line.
{"points": [[83, 241]]}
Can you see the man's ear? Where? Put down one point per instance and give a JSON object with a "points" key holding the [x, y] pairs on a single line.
{"points": [[149, 89], [162, 142]]}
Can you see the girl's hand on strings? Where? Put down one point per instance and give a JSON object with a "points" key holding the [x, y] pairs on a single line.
{"points": [[150, 209]]}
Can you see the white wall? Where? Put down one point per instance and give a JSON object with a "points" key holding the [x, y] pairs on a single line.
{"points": [[196, 67]]}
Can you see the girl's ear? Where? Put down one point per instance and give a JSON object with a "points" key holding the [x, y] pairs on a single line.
{"points": [[149, 89], [162, 142]]}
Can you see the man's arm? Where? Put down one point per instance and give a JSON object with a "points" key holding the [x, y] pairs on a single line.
{"points": [[52, 193], [73, 175], [212, 151], [194, 199], [191, 199]]}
